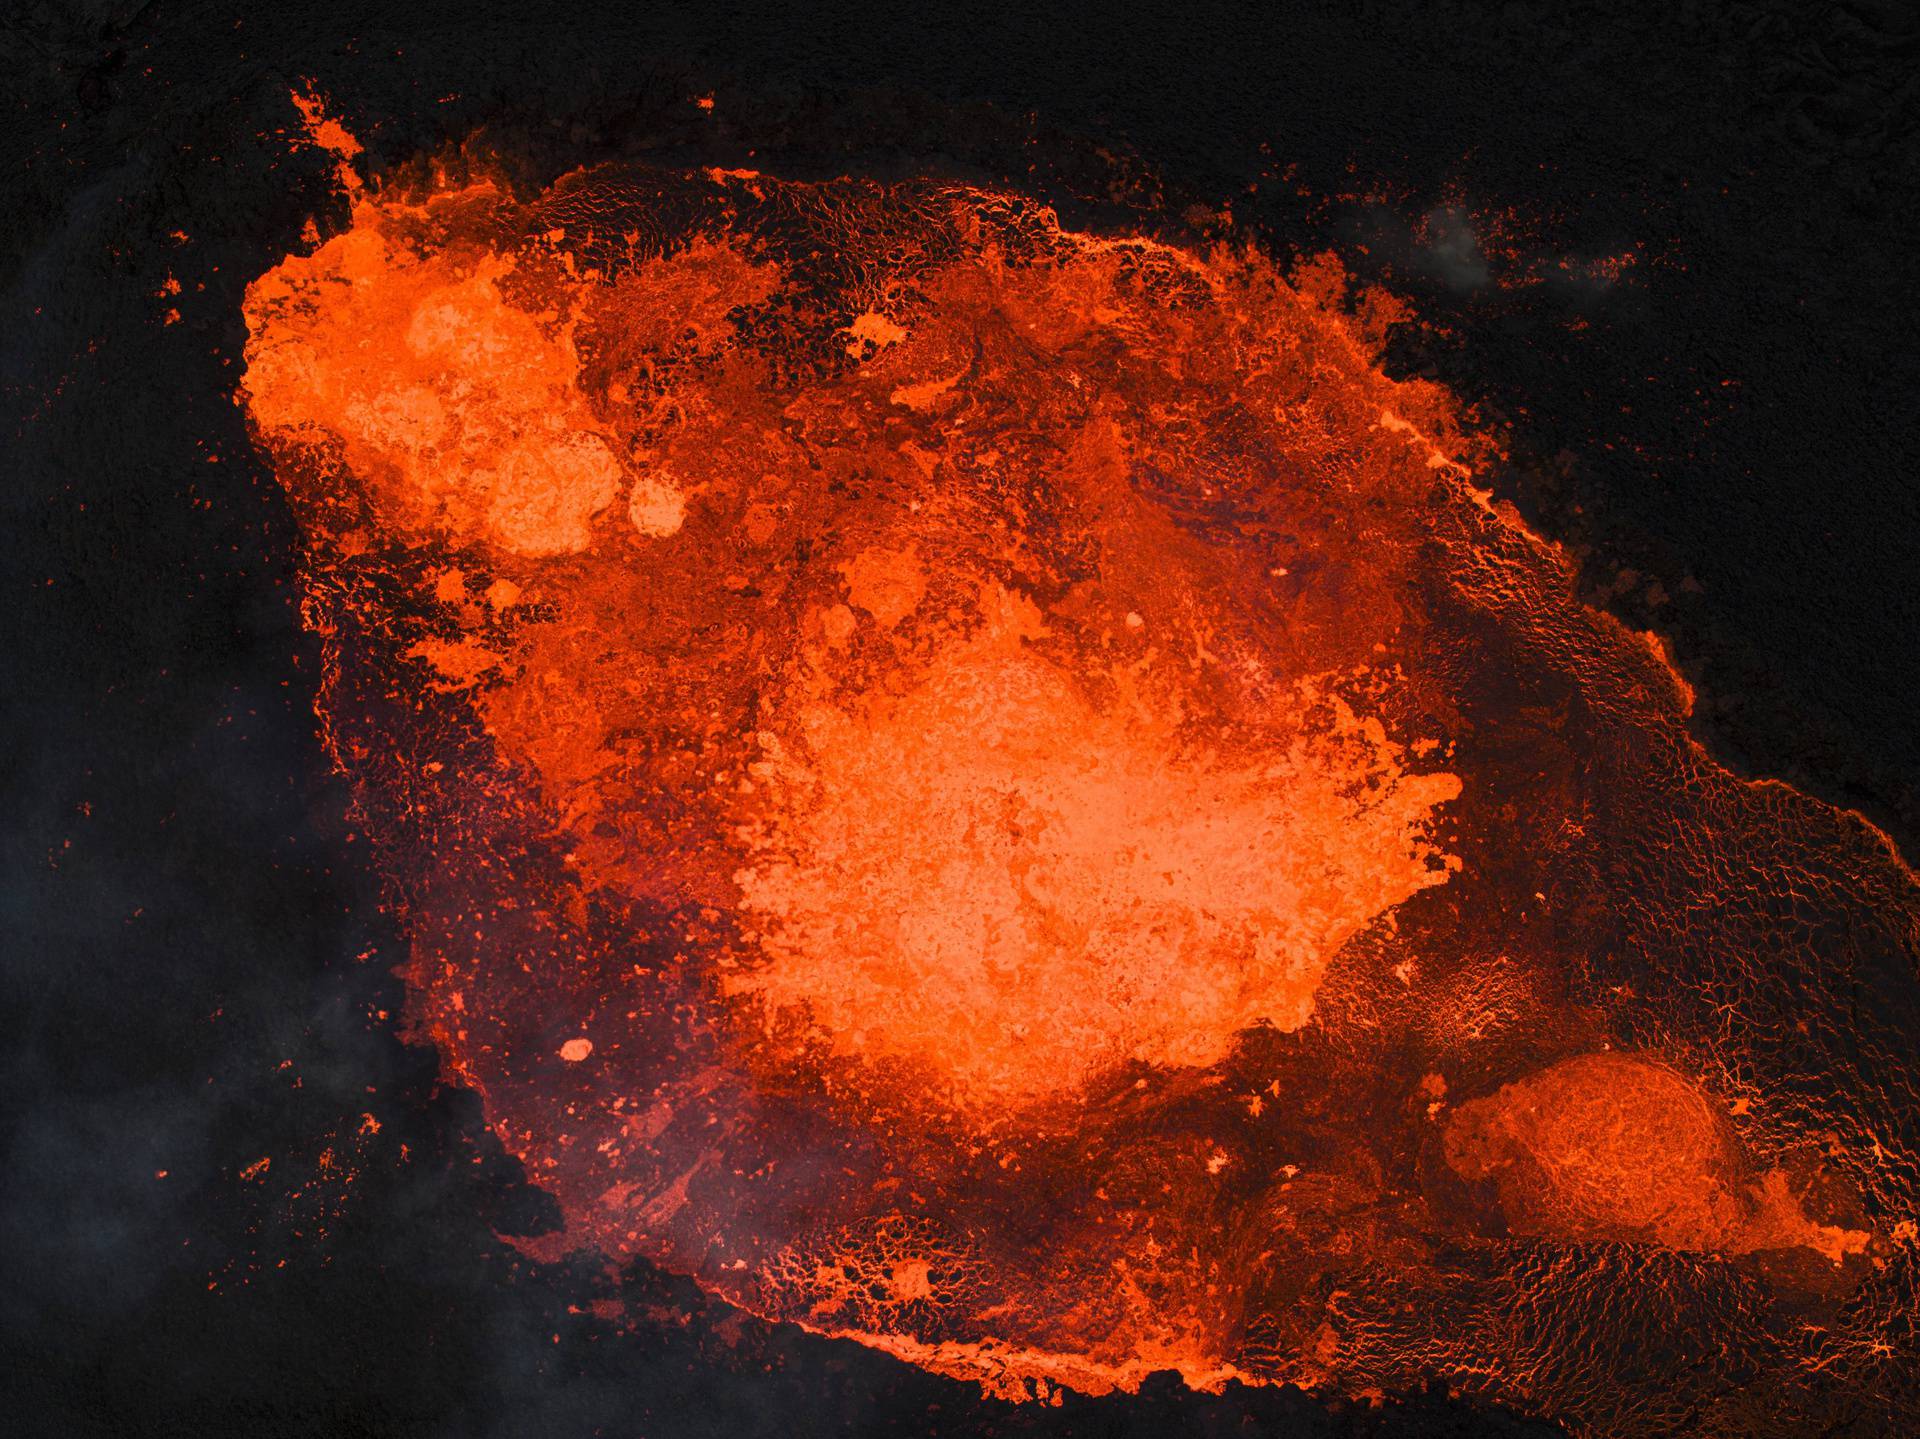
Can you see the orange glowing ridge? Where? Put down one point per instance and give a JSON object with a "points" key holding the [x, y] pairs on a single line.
{"points": [[1002, 793]]}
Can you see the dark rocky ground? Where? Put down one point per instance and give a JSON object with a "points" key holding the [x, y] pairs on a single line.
{"points": [[193, 967]]}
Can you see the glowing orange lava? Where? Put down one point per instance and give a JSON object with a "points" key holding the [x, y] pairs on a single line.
{"points": [[994, 877], [1002, 793]]}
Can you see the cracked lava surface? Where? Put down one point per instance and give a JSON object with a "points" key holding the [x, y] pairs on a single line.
{"points": [[1004, 794]]}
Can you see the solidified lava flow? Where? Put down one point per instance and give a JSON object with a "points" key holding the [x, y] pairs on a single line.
{"points": [[1003, 794]]}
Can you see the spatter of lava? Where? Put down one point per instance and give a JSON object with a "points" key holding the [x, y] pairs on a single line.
{"points": [[1003, 793]]}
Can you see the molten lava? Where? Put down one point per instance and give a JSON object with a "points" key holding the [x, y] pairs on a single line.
{"points": [[993, 877], [1002, 793]]}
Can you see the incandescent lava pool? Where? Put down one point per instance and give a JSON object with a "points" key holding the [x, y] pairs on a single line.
{"points": [[1007, 795]]}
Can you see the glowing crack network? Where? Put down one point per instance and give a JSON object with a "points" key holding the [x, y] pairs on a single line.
{"points": [[1003, 793]]}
